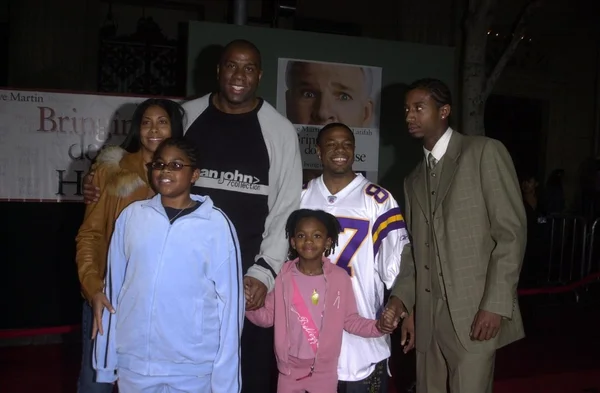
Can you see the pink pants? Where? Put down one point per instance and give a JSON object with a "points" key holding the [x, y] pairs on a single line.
{"points": [[319, 382]]}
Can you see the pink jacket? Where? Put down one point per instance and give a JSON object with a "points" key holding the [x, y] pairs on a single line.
{"points": [[340, 314]]}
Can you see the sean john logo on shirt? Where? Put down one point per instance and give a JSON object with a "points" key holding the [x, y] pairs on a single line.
{"points": [[232, 179]]}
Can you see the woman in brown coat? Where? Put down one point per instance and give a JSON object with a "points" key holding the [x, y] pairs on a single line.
{"points": [[122, 176]]}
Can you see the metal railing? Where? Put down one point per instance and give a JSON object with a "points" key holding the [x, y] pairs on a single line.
{"points": [[567, 255], [593, 247]]}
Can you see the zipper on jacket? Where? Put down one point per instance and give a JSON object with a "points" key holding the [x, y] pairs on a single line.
{"points": [[312, 367], [287, 325], [322, 322], [152, 302], [158, 270]]}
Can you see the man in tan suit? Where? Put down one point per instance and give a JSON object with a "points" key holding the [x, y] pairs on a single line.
{"points": [[467, 222]]}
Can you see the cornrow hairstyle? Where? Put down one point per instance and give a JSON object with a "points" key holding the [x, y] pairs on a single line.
{"points": [[188, 148], [174, 110], [438, 90], [332, 225], [331, 126], [241, 43]]}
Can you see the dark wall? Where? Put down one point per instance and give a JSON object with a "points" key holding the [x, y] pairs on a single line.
{"points": [[39, 285], [519, 123], [4, 27]]}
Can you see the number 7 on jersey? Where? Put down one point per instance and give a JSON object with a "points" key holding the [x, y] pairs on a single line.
{"points": [[354, 235]]}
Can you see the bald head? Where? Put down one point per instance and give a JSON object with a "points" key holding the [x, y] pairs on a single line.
{"points": [[241, 46]]}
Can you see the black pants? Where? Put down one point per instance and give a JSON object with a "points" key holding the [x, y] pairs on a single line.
{"points": [[377, 382], [87, 375], [259, 369]]}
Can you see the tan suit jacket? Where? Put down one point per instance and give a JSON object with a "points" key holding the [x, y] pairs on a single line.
{"points": [[479, 233]]}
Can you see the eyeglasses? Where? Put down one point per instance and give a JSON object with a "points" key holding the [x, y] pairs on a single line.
{"points": [[172, 166]]}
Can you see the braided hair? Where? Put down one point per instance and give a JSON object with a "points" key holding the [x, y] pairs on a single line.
{"points": [[332, 225], [188, 148], [439, 91]]}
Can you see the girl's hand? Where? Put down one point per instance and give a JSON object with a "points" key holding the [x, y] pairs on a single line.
{"points": [[393, 313], [255, 293], [387, 322]]}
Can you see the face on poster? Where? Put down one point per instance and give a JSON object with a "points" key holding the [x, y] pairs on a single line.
{"points": [[312, 94]]}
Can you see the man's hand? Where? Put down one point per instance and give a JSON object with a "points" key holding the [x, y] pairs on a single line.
{"points": [[99, 303], [255, 292], [392, 314], [407, 339], [486, 326], [91, 193]]}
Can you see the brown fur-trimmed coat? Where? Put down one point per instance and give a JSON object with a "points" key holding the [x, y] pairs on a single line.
{"points": [[122, 179]]}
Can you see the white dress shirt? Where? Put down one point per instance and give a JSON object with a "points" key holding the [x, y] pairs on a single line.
{"points": [[439, 149]]}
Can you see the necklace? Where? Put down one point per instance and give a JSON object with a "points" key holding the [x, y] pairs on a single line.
{"points": [[313, 273], [180, 211], [315, 297]]}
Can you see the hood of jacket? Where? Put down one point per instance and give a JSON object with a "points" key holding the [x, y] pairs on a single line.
{"points": [[125, 171]]}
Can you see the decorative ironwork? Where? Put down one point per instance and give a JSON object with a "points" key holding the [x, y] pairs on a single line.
{"points": [[145, 62]]}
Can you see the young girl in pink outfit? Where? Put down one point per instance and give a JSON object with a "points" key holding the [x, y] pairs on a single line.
{"points": [[312, 303]]}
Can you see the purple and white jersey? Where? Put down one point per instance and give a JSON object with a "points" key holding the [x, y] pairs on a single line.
{"points": [[370, 250]]}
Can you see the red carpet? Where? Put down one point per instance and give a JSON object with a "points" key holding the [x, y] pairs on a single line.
{"points": [[561, 354], [570, 382], [53, 369]]}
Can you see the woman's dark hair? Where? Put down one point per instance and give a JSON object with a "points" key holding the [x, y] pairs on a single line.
{"points": [[331, 126], [332, 225], [176, 115], [188, 148]]}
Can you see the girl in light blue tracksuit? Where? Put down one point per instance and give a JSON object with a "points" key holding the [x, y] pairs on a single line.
{"points": [[174, 278]]}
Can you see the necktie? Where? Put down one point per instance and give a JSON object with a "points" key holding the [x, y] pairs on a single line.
{"points": [[432, 161]]}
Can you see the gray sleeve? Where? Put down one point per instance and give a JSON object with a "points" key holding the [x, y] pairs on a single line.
{"points": [[193, 110], [285, 187]]}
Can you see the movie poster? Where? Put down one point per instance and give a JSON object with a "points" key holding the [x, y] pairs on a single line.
{"points": [[314, 93], [48, 141]]}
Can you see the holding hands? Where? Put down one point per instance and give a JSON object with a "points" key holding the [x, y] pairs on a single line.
{"points": [[255, 293], [393, 314]]}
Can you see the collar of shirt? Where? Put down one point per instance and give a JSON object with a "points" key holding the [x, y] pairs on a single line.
{"points": [[440, 147]]}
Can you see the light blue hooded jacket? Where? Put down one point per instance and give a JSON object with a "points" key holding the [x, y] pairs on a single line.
{"points": [[178, 294]]}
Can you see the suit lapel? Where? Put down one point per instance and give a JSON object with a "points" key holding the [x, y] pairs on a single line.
{"points": [[419, 186], [449, 168]]}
